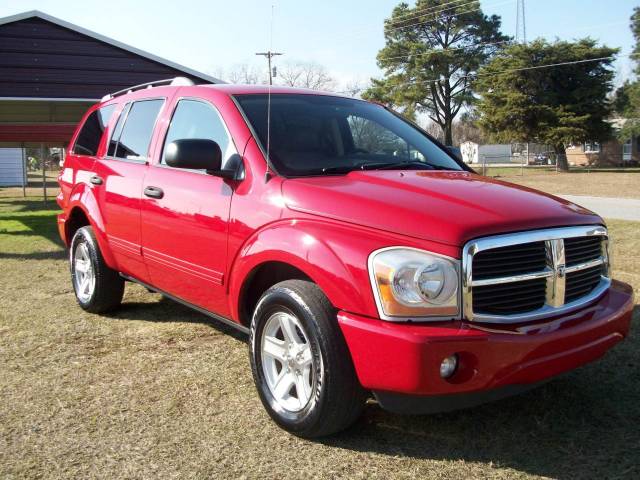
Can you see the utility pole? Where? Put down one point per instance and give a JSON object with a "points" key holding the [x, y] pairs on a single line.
{"points": [[269, 56], [521, 27]]}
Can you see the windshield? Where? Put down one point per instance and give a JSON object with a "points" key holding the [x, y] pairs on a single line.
{"points": [[321, 135]]}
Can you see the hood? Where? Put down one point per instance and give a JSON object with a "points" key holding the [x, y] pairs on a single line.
{"points": [[445, 207]]}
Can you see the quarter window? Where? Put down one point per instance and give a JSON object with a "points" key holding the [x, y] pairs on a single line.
{"points": [[132, 140], [91, 132], [195, 119]]}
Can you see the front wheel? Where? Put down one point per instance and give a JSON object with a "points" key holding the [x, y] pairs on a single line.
{"points": [[300, 362]]}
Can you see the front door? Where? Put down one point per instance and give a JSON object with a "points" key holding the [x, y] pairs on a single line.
{"points": [[185, 215]]}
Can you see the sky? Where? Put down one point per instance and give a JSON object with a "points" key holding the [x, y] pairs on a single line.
{"points": [[342, 35]]}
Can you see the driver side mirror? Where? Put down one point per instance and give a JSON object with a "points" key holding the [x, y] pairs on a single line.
{"points": [[197, 154]]}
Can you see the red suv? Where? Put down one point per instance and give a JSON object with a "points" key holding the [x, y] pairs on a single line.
{"points": [[360, 256]]}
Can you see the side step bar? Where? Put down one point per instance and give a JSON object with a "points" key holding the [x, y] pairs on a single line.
{"points": [[215, 316]]}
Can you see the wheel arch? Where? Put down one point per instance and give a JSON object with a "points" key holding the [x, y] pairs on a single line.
{"points": [[83, 207], [293, 251]]}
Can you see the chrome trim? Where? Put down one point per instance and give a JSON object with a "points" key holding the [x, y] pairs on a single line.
{"points": [[513, 278], [556, 283], [378, 300], [583, 266], [555, 272]]}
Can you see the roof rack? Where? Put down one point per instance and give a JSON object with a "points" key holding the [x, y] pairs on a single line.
{"points": [[175, 82]]}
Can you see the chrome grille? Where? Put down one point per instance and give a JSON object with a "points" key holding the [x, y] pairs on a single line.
{"points": [[524, 276]]}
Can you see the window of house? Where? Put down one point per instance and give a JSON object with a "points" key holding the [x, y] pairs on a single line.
{"points": [[196, 119], [91, 132], [591, 147], [132, 135]]}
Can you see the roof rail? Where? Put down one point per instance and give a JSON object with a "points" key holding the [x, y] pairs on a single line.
{"points": [[176, 82]]}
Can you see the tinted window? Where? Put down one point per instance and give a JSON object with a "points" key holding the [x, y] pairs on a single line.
{"points": [[133, 142], [89, 137], [194, 119], [316, 135], [117, 131]]}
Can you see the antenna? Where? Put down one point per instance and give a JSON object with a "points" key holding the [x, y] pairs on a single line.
{"points": [[521, 26], [269, 54]]}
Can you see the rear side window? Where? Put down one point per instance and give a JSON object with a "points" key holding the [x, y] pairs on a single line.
{"points": [[91, 132], [132, 135], [195, 119]]}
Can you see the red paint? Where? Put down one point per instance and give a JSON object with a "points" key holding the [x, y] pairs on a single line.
{"points": [[204, 238], [406, 358]]}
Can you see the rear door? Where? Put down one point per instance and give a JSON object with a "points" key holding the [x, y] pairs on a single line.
{"points": [[185, 213], [118, 177]]}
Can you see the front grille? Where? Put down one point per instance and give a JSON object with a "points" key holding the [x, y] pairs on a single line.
{"points": [[511, 260], [535, 274], [582, 282], [509, 298], [582, 249]]}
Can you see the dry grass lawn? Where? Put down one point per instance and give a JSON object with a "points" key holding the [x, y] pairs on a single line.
{"points": [[623, 184], [159, 391]]}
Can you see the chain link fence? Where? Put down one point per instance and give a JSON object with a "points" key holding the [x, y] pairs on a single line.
{"points": [[30, 170]]}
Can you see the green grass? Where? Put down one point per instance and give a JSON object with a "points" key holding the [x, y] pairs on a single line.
{"points": [[157, 391]]}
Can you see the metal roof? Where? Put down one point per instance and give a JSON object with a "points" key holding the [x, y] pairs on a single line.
{"points": [[102, 38]]}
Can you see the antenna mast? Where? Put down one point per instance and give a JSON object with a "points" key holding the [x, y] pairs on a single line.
{"points": [[521, 27]]}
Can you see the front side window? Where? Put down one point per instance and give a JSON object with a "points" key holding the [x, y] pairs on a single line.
{"points": [[91, 132], [321, 135], [195, 119], [132, 135]]}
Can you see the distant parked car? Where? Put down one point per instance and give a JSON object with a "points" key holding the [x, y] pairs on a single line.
{"points": [[360, 257], [540, 159]]}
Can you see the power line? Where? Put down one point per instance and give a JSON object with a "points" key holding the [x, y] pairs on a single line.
{"points": [[436, 19], [360, 32], [535, 67], [476, 45], [419, 13]]}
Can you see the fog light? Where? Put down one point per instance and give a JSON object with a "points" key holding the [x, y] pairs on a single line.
{"points": [[448, 366]]}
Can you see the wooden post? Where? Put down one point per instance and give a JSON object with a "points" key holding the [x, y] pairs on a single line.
{"points": [[25, 177], [44, 172]]}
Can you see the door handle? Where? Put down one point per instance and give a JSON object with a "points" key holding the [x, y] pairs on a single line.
{"points": [[154, 192], [96, 180]]}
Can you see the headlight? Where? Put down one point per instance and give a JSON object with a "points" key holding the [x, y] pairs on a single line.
{"points": [[410, 283]]}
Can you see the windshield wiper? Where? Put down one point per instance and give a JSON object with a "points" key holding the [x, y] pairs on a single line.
{"points": [[403, 165], [382, 166]]}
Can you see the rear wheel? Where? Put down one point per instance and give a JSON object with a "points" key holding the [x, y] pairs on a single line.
{"points": [[98, 288], [300, 361]]}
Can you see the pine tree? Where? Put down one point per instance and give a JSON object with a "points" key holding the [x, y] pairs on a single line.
{"points": [[434, 41], [555, 105]]}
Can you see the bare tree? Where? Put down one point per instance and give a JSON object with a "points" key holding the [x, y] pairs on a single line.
{"points": [[354, 88], [242, 73], [305, 75], [434, 130]]}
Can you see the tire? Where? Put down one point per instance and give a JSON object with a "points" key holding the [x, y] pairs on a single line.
{"points": [[332, 398], [105, 287]]}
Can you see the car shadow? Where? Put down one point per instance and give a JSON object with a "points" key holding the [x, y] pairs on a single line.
{"points": [[167, 310], [581, 425]]}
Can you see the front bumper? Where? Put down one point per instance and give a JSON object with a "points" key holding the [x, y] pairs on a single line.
{"points": [[396, 360]]}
